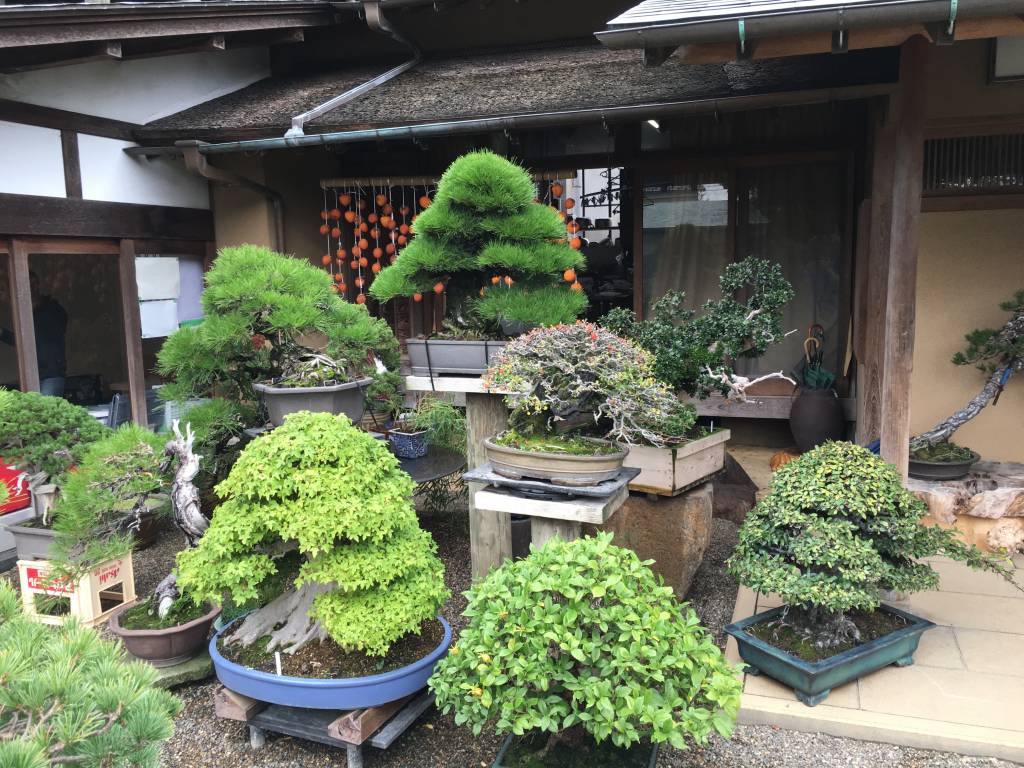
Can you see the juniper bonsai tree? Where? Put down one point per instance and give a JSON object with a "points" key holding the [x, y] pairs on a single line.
{"points": [[581, 637], [999, 354], [490, 248], [68, 697], [262, 310], [44, 435], [695, 353], [320, 486], [837, 527]]}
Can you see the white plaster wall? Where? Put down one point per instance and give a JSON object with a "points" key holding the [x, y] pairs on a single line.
{"points": [[141, 90], [31, 162], [111, 175]]}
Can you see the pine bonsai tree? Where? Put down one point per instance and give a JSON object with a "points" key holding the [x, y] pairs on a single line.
{"points": [[319, 485], [260, 308], [999, 354], [490, 248], [695, 353], [68, 697], [837, 527], [40, 434], [581, 637]]}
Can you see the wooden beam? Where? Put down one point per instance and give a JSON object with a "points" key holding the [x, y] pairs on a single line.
{"points": [[29, 58], [148, 49], [935, 203], [490, 533], [132, 324], [974, 125], [909, 110], [72, 166], [56, 216], [24, 327], [62, 119]]}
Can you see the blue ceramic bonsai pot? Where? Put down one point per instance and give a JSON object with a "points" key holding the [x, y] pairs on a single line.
{"points": [[313, 693], [813, 681], [408, 445]]}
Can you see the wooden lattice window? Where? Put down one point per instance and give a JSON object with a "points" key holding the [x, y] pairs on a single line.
{"points": [[967, 165]]}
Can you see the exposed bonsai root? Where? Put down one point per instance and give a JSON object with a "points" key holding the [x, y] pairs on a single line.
{"points": [[286, 620], [821, 628]]}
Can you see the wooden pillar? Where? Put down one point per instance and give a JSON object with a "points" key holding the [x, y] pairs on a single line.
{"points": [[490, 533], [132, 324], [907, 127], [24, 328]]}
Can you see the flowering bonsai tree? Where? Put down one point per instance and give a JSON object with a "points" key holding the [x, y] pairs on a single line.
{"points": [[319, 486], [837, 527], [69, 698], [695, 352], [270, 316], [999, 354], [43, 435], [492, 249], [584, 375], [581, 638]]}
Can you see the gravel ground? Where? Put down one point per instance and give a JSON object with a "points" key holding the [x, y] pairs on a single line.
{"points": [[203, 741]]}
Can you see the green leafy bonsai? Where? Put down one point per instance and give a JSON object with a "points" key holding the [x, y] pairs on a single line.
{"points": [[68, 697], [581, 637], [495, 252], [319, 486], [837, 527], [694, 353], [999, 354], [582, 375], [106, 498], [267, 317], [44, 435]]}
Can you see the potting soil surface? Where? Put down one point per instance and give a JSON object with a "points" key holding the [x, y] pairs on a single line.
{"points": [[870, 625]]}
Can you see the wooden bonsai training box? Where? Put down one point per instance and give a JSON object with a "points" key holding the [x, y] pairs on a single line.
{"points": [[670, 471], [87, 596]]}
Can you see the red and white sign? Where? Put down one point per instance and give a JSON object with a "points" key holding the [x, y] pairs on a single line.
{"points": [[18, 493], [109, 572], [36, 578]]}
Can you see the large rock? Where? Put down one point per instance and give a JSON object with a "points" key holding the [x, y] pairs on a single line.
{"points": [[734, 492], [674, 531]]}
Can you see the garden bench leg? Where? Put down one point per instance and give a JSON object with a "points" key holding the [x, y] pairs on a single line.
{"points": [[257, 737], [354, 753]]}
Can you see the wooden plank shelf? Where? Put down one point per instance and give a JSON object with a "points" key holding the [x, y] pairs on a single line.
{"points": [[758, 407]]}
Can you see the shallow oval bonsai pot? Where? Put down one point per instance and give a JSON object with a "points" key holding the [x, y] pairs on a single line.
{"points": [[639, 754], [408, 445], [164, 647], [941, 470], [813, 681], [559, 468], [313, 693], [347, 398]]}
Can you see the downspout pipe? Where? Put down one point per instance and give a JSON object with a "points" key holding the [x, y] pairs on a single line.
{"points": [[197, 163], [374, 20]]}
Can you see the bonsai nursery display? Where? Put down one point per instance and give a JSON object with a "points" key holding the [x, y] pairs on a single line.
{"points": [[581, 654], [69, 698], [274, 324], [573, 385], [836, 529], [169, 628], [999, 354], [498, 258], [695, 353], [356, 624], [433, 422]]}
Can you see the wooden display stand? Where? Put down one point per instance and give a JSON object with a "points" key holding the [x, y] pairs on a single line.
{"points": [[93, 598], [349, 729]]}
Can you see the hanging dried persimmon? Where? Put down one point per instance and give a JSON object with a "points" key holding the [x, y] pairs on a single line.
{"points": [[557, 189], [350, 216], [345, 198]]}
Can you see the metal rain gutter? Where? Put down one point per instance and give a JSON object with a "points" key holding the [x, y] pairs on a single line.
{"points": [[795, 21], [374, 20], [548, 119]]}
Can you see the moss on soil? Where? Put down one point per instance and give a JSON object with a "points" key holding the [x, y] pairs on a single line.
{"points": [[943, 452], [523, 754], [327, 661], [872, 626], [144, 616], [560, 444]]}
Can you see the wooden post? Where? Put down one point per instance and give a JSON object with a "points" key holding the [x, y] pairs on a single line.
{"points": [[132, 324], [900, 304], [24, 327], [490, 533], [542, 529]]}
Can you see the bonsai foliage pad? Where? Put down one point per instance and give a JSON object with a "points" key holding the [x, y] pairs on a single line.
{"points": [[962, 694]]}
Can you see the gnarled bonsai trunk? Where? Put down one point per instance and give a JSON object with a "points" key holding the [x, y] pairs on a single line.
{"points": [[286, 620], [821, 627], [944, 430]]}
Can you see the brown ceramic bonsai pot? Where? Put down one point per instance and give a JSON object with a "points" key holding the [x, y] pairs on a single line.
{"points": [[164, 647], [558, 468]]}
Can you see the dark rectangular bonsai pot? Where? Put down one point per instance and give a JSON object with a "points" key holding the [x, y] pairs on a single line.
{"points": [[433, 357], [510, 740], [33, 542], [813, 681], [347, 398]]}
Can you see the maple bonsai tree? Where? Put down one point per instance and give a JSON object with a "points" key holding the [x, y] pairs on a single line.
{"points": [[319, 486], [999, 354], [490, 248]]}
